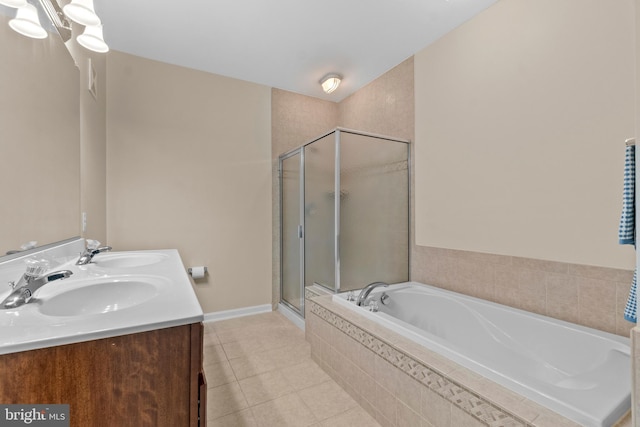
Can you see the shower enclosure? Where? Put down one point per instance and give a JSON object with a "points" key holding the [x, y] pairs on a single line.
{"points": [[344, 214]]}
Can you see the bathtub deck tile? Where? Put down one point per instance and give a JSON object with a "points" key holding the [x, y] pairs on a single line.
{"points": [[460, 417], [503, 397], [409, 391], [407, 417], [435, 409], [552, 420], [417, 352]]}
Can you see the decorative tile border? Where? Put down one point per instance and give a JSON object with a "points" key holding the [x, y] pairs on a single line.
{"points": [[470, 402], [310, 293]]}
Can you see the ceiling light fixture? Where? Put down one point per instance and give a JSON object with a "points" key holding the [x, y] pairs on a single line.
{"points": [[27, 23], [330, 82], [93, 39], [82, 12]]}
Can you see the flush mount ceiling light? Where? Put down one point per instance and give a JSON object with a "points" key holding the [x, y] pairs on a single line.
{"points": [[92, 39], [330, 82], [82, 12], [27, 23], [14, 3]]}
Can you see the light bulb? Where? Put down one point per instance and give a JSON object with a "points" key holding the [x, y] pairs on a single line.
{"points": [[92, 39], [27, 23], [14, 3], [330, 82], [82, 12]]}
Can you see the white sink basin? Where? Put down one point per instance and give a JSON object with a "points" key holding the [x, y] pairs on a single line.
{"points": [[100, 297], [128, 260], [119, 293]]}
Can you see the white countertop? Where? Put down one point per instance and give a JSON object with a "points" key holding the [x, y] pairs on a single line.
{"points": [[172, 303]]}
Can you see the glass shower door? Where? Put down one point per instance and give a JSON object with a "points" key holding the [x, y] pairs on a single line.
{"points": [[319, 213], [291, 231], [374, 211]]}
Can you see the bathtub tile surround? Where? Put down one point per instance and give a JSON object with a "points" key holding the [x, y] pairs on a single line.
{"points": [[260, 373], [386, 373], [587, 295]]}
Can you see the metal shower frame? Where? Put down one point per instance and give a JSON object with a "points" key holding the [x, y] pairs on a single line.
{"points": [[336, 238]]}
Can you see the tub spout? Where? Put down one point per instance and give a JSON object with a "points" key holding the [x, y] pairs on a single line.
{"points": [[364, 293]]}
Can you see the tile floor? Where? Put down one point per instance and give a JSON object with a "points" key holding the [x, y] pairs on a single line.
{"points": [[260, 373]]}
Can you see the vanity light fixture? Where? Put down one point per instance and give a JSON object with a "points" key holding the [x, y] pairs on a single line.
{"points": [[82, 12], [330, 82], [92, 39], [13, 3], [27, 23]]}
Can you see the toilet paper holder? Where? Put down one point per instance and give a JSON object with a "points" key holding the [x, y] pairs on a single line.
{"points": [[200, 272]]}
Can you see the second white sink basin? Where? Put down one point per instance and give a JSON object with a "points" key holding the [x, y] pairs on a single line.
{"points": [[100, 297], [128, 259]]}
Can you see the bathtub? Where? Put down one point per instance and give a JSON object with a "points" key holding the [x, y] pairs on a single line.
{"points": [[581, 373]]}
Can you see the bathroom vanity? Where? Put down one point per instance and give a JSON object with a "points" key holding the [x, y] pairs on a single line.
{"points": [[119, 341], [149, 378]]}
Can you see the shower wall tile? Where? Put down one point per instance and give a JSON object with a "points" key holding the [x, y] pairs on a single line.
{"points": [[296, 119], [532, 289], [622, 292], [587, 295], [384, 106], [562, 297], [597, 302]]}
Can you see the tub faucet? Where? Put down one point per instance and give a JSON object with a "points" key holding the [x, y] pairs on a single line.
{"points": [[28, 285], [90, 252], [364, 293]]}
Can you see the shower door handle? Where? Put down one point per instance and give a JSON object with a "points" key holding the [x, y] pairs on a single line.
{"points": [[300, 233]]}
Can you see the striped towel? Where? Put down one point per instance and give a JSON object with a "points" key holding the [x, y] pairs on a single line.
{"points": [[627, 229], [631, 310]]}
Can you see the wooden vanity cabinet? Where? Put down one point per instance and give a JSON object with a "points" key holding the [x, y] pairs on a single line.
{"points": [[150, 379]]}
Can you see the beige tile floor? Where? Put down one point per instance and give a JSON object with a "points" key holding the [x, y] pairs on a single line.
{"points": [[260, 373]]}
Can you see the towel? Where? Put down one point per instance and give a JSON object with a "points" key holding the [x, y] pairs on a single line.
{"points": [[631, 310], [627, 229]]}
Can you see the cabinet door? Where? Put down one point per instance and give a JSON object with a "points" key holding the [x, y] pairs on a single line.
{"points": [[142, 379]]}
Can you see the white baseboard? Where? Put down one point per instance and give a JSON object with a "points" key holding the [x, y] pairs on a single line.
{"points": [[294, 317], [216, 316]]}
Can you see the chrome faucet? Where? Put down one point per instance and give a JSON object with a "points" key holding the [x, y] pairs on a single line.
{"points": [[89, 253], [364, 293], [27, 285]]}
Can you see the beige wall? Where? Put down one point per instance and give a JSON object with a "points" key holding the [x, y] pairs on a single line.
{"points": [[189, 167], [39, 146], [521, 117], [93, 147], [93, 136]]}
